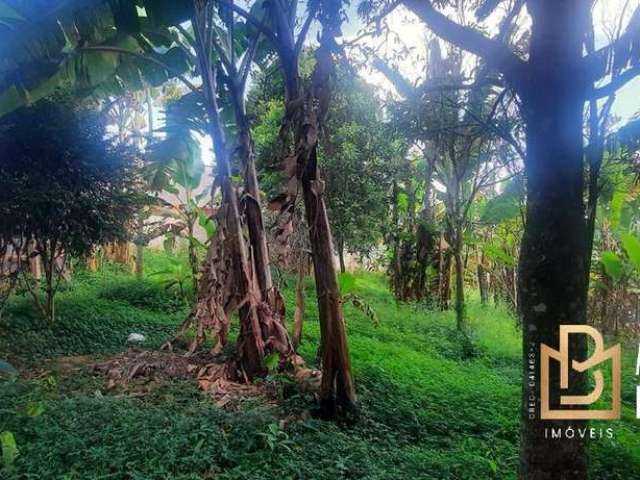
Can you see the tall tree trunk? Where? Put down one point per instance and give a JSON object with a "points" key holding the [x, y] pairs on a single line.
{"points": [[444, 274], [483, 285], [337, 389], [396, 265], [193, 258], [253, 209], [425, 242], [459, 264], [229, 281], [337, 392], [298, 318], [139, 260], [139, 238], [343, 267], [552, 280], [305, 114]]}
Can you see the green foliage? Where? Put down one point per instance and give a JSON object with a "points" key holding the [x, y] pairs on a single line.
{"points": [[612, 264], [95, 315], [357, 160], [61, 182], [419, 401], [631, 245], [7, 370], [141, 293], [504, 206], [495, 253], [271, 361], [68, 48], [347, 282], [176, 278], [9, 449], [35, 409], [64, 187]]}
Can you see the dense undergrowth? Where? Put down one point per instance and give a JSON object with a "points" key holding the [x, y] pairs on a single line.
{"points": [[429, 409]]}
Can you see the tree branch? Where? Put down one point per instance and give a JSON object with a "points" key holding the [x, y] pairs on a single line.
{"points": [[247, 59], [492, 51], [597, 61], [266, 31], [401, 84], [616, 83], [313, 8]]}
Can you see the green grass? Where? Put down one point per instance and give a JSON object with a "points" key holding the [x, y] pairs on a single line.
{"points": [[426, 413]]}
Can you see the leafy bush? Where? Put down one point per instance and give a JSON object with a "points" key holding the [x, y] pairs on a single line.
{"points": [[64, 188]]}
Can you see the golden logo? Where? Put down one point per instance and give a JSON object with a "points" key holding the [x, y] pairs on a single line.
{"points": [[599, 355]]}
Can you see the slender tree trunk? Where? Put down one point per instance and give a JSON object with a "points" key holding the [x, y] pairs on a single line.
{"points": [[425, 242], [337, 393], [445, 272], [552, 280], [459, 264], [396, 267], [298, 319], [229, 280], [139, 260], [253, 210], [52, 277], [139, 240], [337, 389], [482, 281], [496, 289], [50, 306], [193, 258], [305, 114], [343, 267]]}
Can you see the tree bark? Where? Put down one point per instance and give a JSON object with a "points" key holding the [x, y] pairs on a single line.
{"points": [[193, 257], [552, 280], [298, 319], [425, 242], [229, 281], [337, 390], [139, 260], [253, 210], [482, 282], [306, 113], [396, 264], [444, 274], [459, 264], [343, 267]]}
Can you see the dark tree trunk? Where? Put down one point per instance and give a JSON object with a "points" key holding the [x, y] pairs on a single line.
{"points": [[337, 392], [229, 281], [426, 238], [298, 319], [253, 210], [552, 280], [193, 258], [337, 389], [444, 273], [139, 260], [496, 289], [343, 267], [459, 265], [483, 285]]}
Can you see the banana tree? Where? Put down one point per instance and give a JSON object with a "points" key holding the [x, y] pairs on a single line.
{"points": [[175, 169], [92, 47]]}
